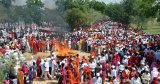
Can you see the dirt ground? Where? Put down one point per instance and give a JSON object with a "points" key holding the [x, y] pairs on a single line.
{"points": [[46, 54]]}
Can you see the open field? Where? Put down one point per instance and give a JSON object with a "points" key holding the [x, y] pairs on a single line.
{"points": [[152, 27]]}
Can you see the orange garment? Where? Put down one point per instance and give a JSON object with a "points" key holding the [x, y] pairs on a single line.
{"points": [[40, 45], [77, 74], [71, 78], [20, 77], [93, 54], [43, 45], [77, 61]]}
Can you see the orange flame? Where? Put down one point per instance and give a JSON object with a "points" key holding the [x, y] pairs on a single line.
{"points": [[63, 49]]}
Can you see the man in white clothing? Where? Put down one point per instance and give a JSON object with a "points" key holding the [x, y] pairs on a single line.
{"points": [[97, 79], [154, 73], [54, 64], [113, 72], [31, 61], [46, 66], [136, 80], [42, 67]]}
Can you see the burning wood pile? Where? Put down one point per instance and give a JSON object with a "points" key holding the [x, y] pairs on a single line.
{"points": [[63, 50]]}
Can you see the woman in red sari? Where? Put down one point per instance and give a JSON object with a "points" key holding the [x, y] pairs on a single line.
{"points": [[38, 61], [35, 49]]}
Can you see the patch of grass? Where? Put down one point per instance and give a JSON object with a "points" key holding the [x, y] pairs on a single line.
{"points": [[152, 27]]}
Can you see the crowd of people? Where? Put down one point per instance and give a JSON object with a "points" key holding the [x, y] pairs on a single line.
{"points": [[119, 55]]}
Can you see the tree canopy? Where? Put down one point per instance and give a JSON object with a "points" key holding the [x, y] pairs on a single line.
{"points": [[78, 13]]}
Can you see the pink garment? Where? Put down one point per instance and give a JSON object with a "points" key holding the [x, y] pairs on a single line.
{"points": [[90, 80], [6, 82], [25, 69], [116, 59], [133, 73], [63, 72]]}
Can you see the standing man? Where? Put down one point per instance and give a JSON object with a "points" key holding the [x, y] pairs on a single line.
{"points": [[53, 65]]}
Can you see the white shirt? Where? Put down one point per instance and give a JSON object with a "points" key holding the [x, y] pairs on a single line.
{"points": [[125, 61], [102, 59], [154, 73], [49, 61], [113, 73], [97, 80], [46, 66], [136, 81], [92, 66], [53, 64]]}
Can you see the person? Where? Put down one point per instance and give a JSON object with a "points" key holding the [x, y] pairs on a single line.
{"points": [[38, 62], [136, 80], [154, 73], [46, 66], [115, 81], [97, 79], [30, 75], [31, 61], [42, 64], [20, 76], [133, 72], [63, 75], [146, 77], [25, 71], [6, 81], [113, 71], [155, 81], [34, 71], [53, 66]]}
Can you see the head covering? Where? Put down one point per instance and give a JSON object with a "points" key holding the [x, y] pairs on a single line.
{"points": [[119, 63], [133, 68], [113, 66], [98, 74]]}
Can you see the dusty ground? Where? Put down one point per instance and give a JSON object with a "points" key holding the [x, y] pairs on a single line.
{"points": [[46, 54]]}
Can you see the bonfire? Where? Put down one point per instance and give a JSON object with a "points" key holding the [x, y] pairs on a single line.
{"points": [[63, 50]]}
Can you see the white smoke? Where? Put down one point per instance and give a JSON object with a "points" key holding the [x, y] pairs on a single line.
{"points": [[47, 3]]}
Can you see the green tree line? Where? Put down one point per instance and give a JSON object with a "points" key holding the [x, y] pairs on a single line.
{"points": [[82, 13]]}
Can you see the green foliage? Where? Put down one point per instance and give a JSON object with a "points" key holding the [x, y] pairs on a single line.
{"points": [[7, 3], [80, 13], [5, 66], [76, 18], [116, 13], [99, 6], [34, 11]]}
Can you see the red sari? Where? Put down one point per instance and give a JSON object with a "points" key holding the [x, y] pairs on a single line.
{"points": [[35, 50], [38, 66]]}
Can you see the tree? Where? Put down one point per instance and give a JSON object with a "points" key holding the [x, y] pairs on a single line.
{"points": [[76, 18], [99, 6], [144, 9], [34, 9], [116, 12], [7, 3]]}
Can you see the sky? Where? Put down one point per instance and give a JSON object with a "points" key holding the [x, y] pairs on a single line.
{"points": [[49, 4]]}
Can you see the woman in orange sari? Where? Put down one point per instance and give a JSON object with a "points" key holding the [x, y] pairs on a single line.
{"points": [[70, 79], [20, 76], [76, 74]]}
